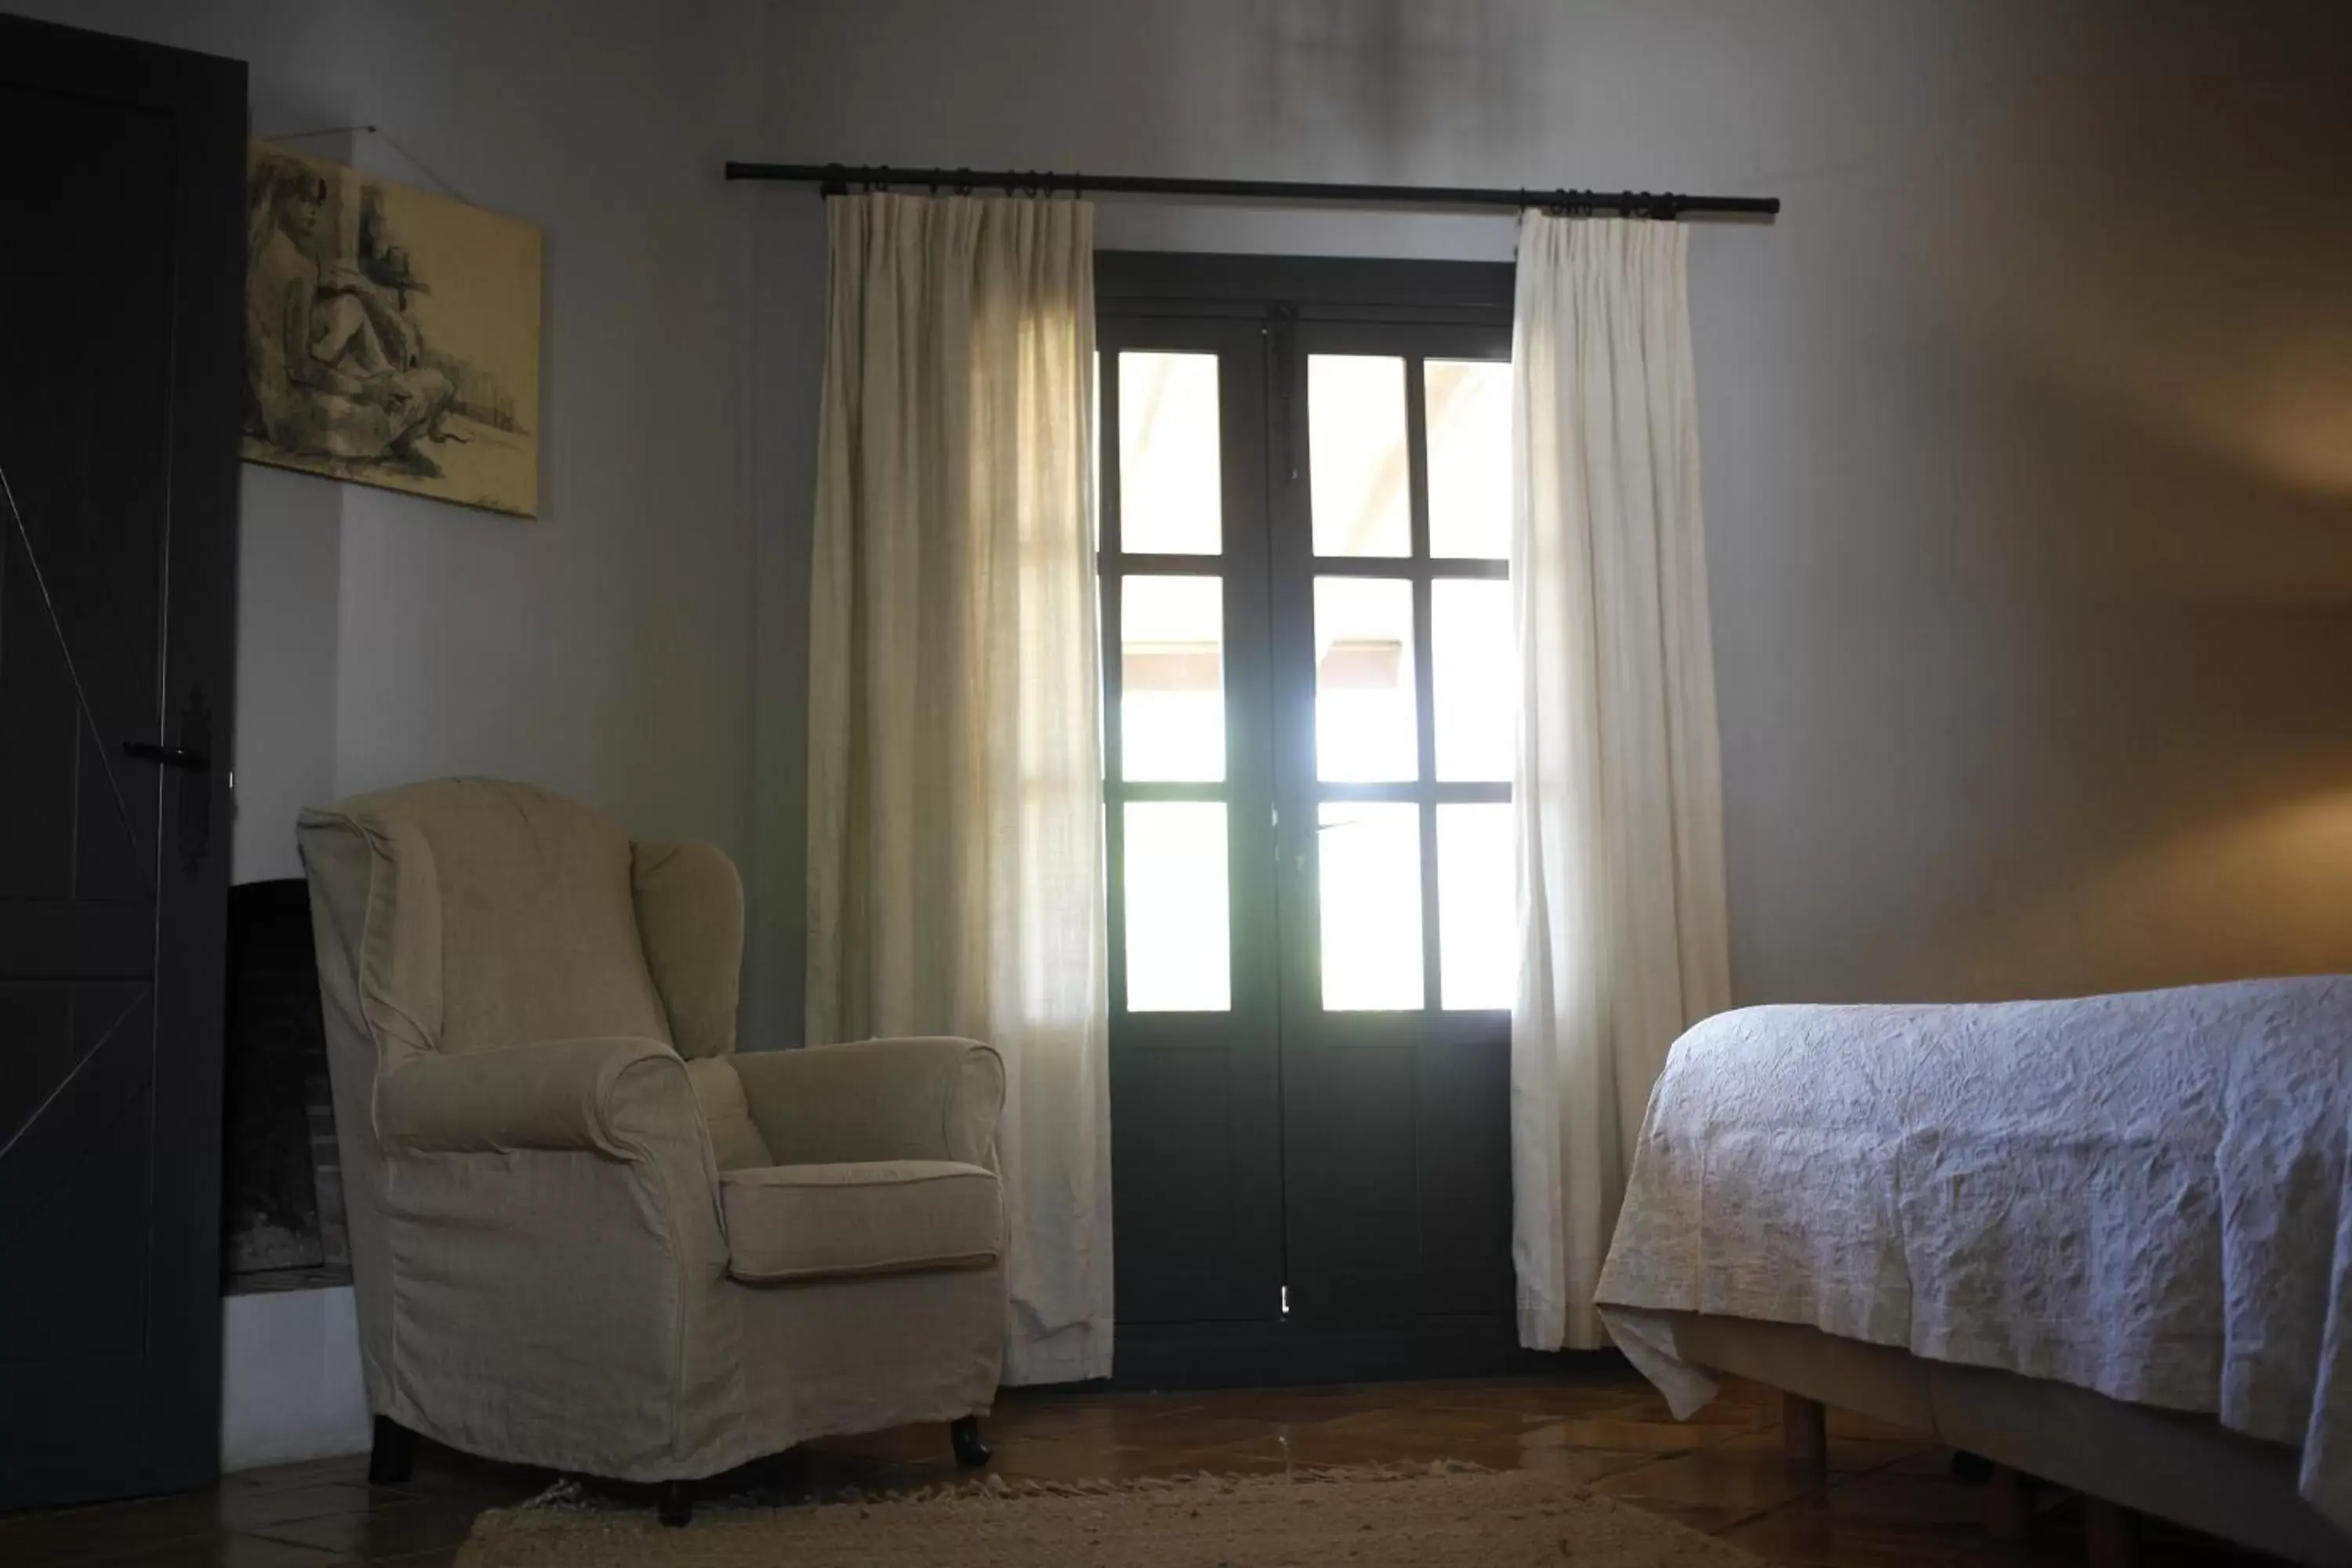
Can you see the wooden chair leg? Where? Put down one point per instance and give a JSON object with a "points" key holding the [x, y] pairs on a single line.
{"points": [[2110, 1534], [2007, 1505], [676, 1506], [392, 1454], [1805, 1433]]}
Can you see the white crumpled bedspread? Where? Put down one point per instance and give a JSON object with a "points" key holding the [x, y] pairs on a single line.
{"points": [[2139, 1195]]}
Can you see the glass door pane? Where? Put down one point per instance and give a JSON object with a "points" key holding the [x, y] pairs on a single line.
{"points": [[1365, 726], [1474, 676], [1171, 633], [1469, 404], [1170, 481], [1362, 471], [1371, 858], [1179, 941], [1478, 906]]}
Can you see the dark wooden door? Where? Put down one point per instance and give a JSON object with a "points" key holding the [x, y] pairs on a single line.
{"points": [[1309, 1045], [1392, 706], [1196, 1147], [122, 250]]}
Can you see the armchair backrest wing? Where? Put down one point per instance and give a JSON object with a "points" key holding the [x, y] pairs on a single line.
{"points": [[527, 927], [690, 919]]}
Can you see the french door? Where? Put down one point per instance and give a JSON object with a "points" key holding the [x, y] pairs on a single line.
{"points": [[1309, 735]]}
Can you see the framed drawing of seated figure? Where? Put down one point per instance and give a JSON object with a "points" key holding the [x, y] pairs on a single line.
{"points": [[391, 335]]}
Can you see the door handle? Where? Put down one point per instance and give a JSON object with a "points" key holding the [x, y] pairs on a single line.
{"points": [[167, 756], [192, 756]]}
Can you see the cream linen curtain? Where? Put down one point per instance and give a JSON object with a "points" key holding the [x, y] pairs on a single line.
{"points": [[955, 817], [1618, 778]]}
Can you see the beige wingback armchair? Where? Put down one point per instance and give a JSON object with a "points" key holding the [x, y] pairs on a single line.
{"points": [[585, 1233]]}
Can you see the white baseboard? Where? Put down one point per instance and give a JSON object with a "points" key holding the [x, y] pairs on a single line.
{"points": [[290, 1386]]}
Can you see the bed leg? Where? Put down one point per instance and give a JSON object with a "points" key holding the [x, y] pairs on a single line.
{"points": [[2110, 1534], [1805, 1433], [2007, 1505]]}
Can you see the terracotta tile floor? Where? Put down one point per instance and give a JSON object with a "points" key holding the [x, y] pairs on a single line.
{"points": [[1890, 1499]]}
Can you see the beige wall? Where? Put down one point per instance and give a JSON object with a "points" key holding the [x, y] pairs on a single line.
{"points": [[2027, 427]]}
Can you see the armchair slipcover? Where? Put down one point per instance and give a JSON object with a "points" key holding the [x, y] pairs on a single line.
{"points": [[587, 1234]]}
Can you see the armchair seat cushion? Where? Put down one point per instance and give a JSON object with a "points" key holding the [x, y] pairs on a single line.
{"points": [[787, 1223]]}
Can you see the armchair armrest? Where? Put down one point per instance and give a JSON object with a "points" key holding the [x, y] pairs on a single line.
{"points": [[924, 1098], [606, 1095], [550, 1219]]}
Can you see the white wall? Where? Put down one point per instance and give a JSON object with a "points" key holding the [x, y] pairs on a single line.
{"points": [[290, 1383], [604, 649], [2027, 427]]}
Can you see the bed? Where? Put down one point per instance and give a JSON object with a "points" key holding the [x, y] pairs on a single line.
{"points": [[2103, 1241]]}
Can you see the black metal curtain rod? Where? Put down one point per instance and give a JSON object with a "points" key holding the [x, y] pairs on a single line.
{"points": [[837, 178]]}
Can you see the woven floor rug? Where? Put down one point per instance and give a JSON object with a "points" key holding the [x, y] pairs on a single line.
{"points": [[1438, 1516]]}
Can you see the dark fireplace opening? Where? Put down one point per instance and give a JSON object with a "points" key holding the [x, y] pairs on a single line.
{"points": [[281, 1189]]}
